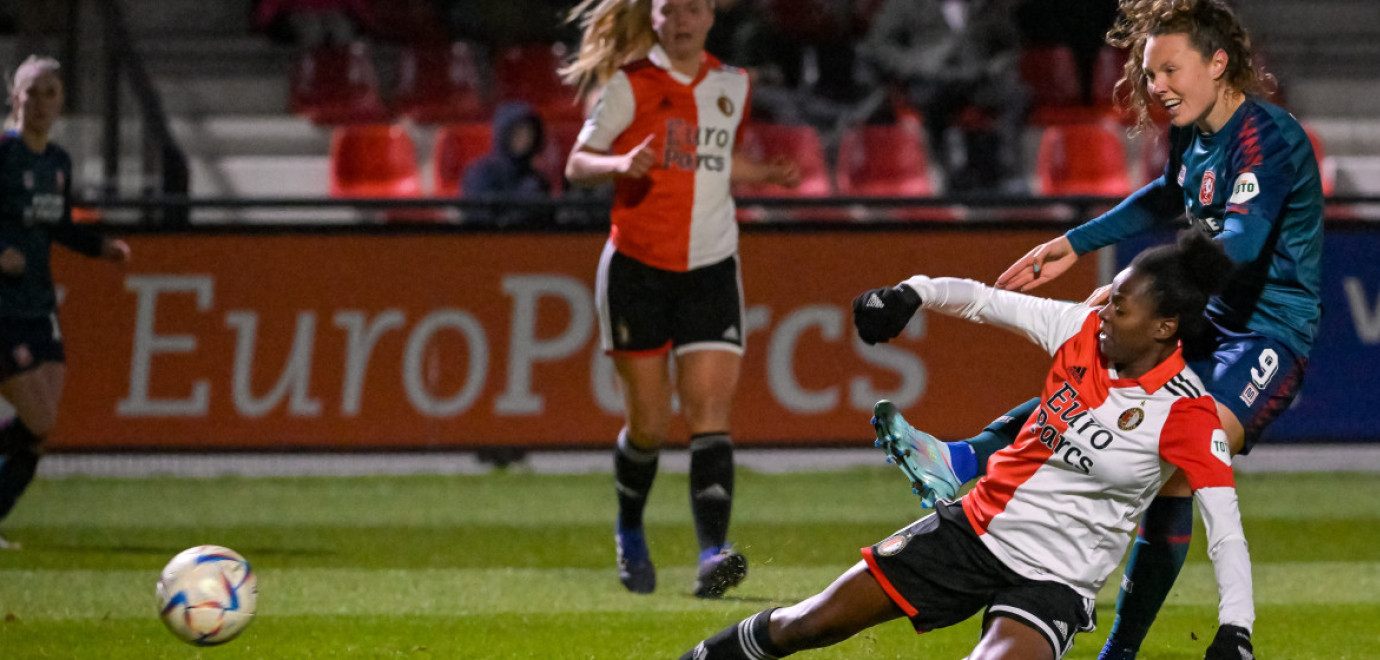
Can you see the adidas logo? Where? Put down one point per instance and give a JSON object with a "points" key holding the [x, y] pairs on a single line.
{"points": [[874, 301], [714, 492], [1063, 628], [731, 334], [1078, 373]]}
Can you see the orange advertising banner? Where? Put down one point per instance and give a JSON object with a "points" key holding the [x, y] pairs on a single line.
{"points": [[415, 341]]}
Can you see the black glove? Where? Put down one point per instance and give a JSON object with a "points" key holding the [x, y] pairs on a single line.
{"points": [[1231, 643], [881, 314]]}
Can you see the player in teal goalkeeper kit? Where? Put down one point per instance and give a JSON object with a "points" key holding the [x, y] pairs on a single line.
{"points": [[35, 210], [1244, 171]]}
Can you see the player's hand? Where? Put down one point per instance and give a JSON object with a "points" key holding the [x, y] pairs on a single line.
{"points": [[114, 249], [1231, 643], [881, 314], [1099, 296], [1042, 264], [12, 262], [783, 172], [639, 161]]}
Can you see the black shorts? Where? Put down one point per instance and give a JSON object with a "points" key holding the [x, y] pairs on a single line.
{"points": [[26, 343], [643, 309], [939, 573]]}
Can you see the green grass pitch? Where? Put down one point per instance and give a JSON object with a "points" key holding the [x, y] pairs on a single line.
{"points": [[518, 565]]}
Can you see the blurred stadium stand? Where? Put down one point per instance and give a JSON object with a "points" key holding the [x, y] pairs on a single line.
{"points": [[230, 96]]}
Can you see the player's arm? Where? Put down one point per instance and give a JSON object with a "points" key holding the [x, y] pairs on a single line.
{"points": [[1193, 441], [780, 171], [881, 314], [1158, 201], [84, 240], [591, 161], [1264, 176]]}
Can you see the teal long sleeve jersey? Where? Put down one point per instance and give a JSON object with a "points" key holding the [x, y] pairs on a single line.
{"points": [[35, 210], [1254, 186]]}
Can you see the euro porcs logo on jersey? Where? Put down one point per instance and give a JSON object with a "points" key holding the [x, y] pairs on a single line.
{"points": [[684, 140], [1244, 189]]}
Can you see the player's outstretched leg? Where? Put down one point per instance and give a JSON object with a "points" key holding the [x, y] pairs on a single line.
{"points": [[923, 459], [634, 470], [749, 639], [853, 603]]}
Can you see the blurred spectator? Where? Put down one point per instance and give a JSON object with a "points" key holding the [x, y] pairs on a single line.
{"points": [[312, 23], [506, 172], [948, 56], [800, 54], [1079, 24]]}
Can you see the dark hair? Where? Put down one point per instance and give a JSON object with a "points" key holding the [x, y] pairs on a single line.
{"points": [[1183, 276], [1209, 24]]}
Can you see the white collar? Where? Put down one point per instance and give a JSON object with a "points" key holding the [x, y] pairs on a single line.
{"points": [[661, 58]]}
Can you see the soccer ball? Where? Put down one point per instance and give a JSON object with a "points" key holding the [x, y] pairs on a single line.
{"points": [[206, 595]]}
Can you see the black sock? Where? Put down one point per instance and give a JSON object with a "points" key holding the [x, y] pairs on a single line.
{"points": [[711, 487], [749, 639], [18, 462], [634, 470]]}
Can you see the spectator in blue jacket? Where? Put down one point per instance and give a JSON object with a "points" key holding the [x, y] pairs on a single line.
{"points": [[506, 173]]}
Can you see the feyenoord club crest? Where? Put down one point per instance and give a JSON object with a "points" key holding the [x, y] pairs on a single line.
{"points": [[726, 106], [892, 545], [1209, 186], [1130, 419]]}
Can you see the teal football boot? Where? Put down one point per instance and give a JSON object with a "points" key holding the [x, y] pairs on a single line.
{"points": [[923, 459]]}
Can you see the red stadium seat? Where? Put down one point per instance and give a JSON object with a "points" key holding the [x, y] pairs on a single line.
{"points": [[457, 146], [764, 142], [884, 161], [373, 161], [1108, 69], [528, 73], [1082, 159], [801, 144], [888, 161], [1051, 75], [1154, 155], [439, 84], [560, 139], [337, 85]]}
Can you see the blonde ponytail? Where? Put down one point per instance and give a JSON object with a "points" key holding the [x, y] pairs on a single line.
{"points": [[615, 32]]}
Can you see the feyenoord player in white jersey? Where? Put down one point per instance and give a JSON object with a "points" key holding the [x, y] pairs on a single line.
{"points": [[664, 131], [1037, 537]]}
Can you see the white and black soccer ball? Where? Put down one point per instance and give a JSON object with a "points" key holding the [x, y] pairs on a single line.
{"points": [[207, 594]]}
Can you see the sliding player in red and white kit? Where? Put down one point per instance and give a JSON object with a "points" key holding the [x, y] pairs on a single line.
{"points": [[664, 131], [1037, 537]]}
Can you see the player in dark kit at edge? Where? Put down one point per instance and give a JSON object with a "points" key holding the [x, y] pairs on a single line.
{"points": [[35, 211]]}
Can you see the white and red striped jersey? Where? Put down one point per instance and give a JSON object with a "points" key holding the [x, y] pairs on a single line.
{"points": [[681, 215], [1062, 501]]}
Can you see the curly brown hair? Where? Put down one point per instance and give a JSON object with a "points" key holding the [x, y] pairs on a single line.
{"points": [[1210, 25]]}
